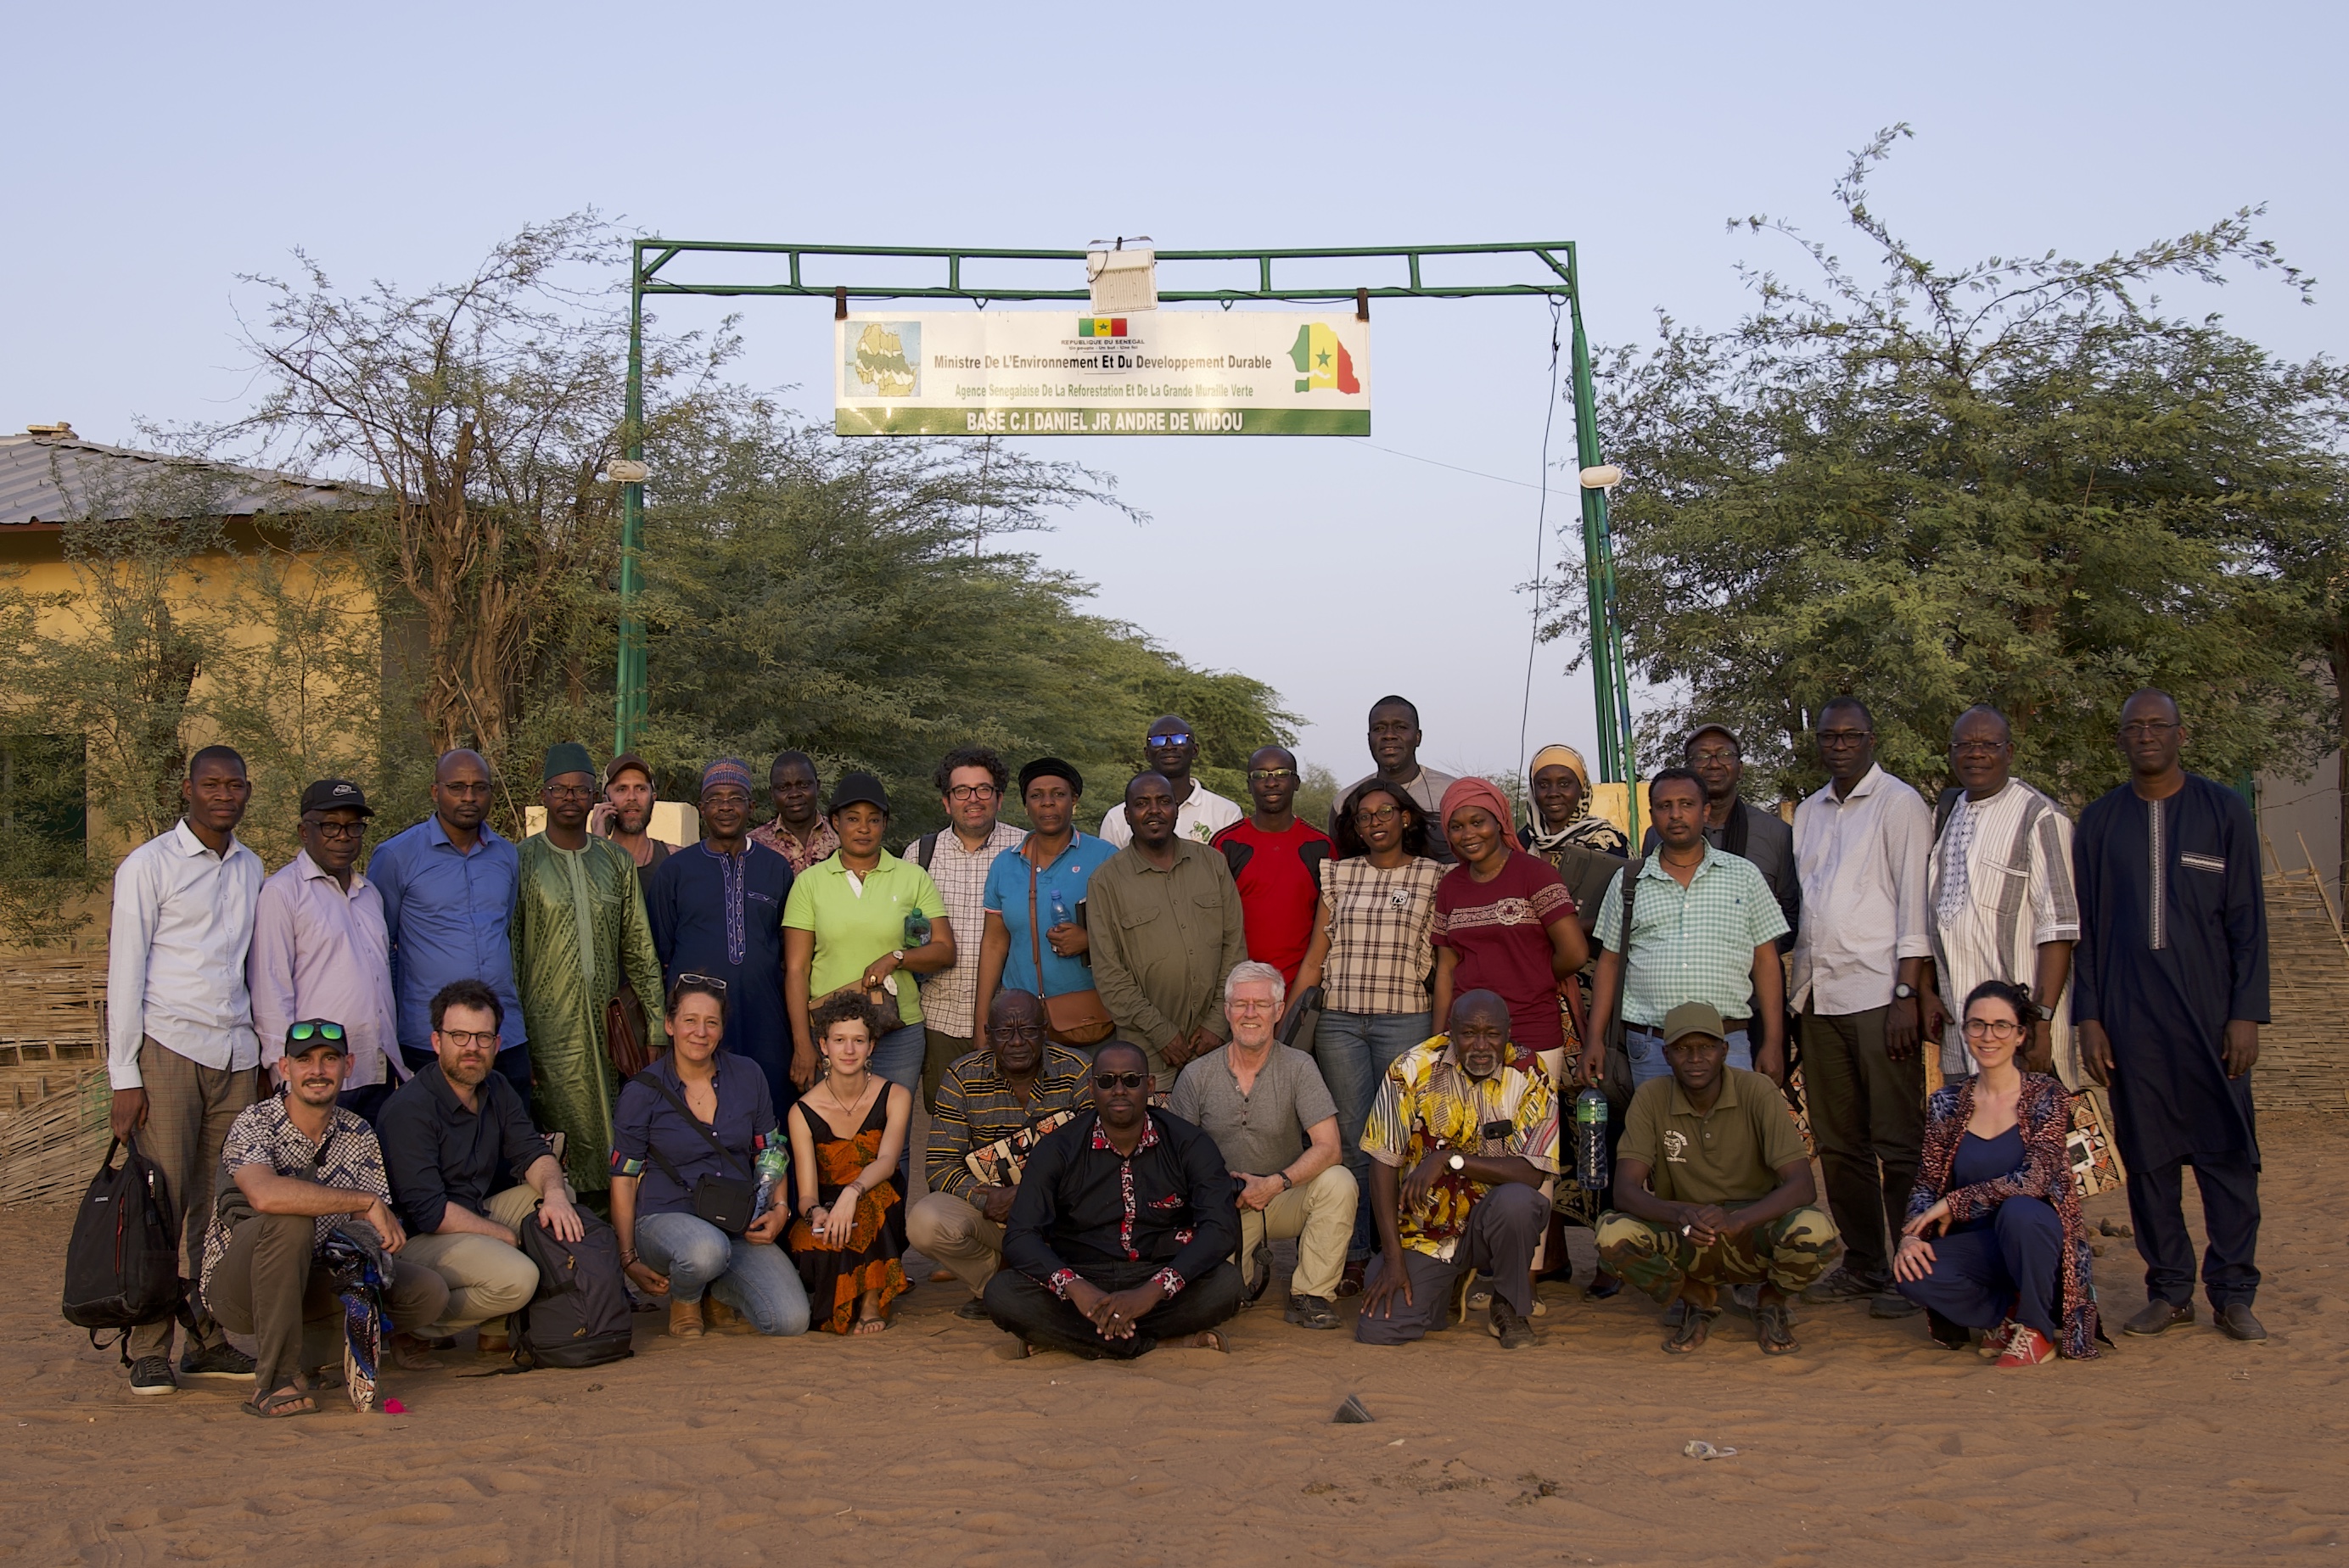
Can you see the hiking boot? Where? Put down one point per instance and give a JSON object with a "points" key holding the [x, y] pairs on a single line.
{"points": [[2159, 1317], [222, 1363], [1513, 1331], [685, 1319], [153, 1375], [1310, 1312], [1841, 1286], [2235, 1320], [720, 1318]]}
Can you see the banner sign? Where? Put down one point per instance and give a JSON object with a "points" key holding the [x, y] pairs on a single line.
{"points": [[1053, 373]]}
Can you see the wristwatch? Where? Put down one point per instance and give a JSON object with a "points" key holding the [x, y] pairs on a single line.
{"points": [[1904, 993], [1458, 1162]]}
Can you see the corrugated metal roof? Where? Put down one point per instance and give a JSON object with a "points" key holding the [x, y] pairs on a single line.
{"points": [[57, 479]]}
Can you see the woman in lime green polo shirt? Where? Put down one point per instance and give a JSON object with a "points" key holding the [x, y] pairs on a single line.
{"points": [[845, 928]]}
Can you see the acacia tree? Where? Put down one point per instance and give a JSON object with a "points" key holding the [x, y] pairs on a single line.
{"points": [[2014, 481], [484, 409]]}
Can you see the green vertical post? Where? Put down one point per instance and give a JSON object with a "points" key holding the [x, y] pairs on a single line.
{"points": [[1610, 681], [629, 700]]}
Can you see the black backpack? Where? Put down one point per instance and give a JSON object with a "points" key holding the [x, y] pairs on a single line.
{"points": [[581, 1316], [122, 1264]]}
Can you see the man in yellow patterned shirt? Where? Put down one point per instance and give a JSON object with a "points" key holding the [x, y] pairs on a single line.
{"points": [[1460, 1143]]}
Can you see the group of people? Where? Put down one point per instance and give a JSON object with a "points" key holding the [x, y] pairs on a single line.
{"points": [[1148, 1054]]}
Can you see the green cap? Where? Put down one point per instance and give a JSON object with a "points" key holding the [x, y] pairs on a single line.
{"points": [[1693, 1018], [567, 757]]}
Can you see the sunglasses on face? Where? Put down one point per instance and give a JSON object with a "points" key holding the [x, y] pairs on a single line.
{"points": [[1180, 737], [1120, 1080], [315, 1029], [1266, 775]]}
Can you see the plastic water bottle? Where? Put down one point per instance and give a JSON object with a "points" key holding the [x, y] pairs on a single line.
{"points": [[1060, 909], [1591, 1139], [773, 1161]]}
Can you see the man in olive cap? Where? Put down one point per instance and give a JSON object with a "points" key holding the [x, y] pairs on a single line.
{"points": [[579, 928]]}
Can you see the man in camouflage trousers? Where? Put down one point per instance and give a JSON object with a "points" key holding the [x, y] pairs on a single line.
{"points": [[1715, 1188]]}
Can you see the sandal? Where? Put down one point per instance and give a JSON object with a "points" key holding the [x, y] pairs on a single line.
{"points": [[870, 1325], [1772, 1329], [292, 1400], [1695, 1324]]}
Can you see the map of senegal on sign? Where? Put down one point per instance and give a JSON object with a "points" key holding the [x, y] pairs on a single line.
{"points": [[1054, 373]]}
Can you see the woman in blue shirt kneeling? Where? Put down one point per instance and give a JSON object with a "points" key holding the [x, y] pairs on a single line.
{"points": [[701, 1112]]}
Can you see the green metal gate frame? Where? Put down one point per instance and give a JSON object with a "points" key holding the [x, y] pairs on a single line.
{"points": [[1610, 680]]}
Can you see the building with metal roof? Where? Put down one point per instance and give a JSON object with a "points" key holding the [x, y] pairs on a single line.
{"points": [[49, 477]]}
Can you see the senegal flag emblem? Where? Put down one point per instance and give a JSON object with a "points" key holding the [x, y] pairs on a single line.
{"points": [[1101, 326], [1322, 361]]}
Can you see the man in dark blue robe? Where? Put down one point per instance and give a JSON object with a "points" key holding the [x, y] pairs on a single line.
{"points": [[717, 909], [2171, 988]]}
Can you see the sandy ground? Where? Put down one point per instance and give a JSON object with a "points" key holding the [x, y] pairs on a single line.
{"points": [[928, 1445]]}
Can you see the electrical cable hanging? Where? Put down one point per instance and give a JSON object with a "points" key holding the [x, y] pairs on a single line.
{"points": [[1541, 534]]}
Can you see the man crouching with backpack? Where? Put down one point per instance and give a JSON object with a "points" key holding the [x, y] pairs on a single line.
{"points": [[451, 1133], [294, 1167]]}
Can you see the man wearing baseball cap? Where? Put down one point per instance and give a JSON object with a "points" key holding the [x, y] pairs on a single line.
{"points": [[296, 1168], [319, 949], [1715, 1189]]}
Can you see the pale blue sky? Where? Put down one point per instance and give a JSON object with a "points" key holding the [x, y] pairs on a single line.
{"points": [[160, 150]]}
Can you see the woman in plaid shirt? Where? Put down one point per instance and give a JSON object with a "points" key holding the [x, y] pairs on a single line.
{"points": [[1372, 959]]}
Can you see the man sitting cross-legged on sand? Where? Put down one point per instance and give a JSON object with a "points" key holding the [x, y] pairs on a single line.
{"points": [[1120, 1235], [1460, 1143], [1270, 1114], [296, 1166], [1716, 1189], [985, 1097], [449, 1133]]}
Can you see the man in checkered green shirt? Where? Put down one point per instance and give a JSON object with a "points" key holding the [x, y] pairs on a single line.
{"points": [[1704, 928]]}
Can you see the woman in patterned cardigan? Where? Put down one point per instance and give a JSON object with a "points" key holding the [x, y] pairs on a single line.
{"points": [[1995, 1187]]}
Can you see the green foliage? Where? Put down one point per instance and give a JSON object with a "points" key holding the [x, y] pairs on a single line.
{"points": [[835, 598], [2006, 482]]}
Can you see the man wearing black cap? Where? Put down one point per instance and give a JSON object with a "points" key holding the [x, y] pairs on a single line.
{"points": [[1035, 899], [319, 949], [579, 929]]}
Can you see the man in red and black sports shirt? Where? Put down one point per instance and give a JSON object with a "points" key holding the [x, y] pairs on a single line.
{"points": [[1277, 861]]}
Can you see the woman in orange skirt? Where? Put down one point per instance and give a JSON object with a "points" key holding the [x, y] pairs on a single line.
{"points": [[847, 1133]]}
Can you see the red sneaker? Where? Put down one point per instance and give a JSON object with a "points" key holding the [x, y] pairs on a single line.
{"points": [[1994, 1344], [2027, 1346]]}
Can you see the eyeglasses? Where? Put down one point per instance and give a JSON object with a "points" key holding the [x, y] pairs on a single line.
{"points": [[315, 1029], [335, 829], [569, 791], [1976, 748], [1180, 737], [2146, 728], [1716, 754], [1121, 1080], [1266, 775], [1993, 1029], [1843, 737], [973, 792], [1372, 815], [460, 1039], [1015, 1032]]}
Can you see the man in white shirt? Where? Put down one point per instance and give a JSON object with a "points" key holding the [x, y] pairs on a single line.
{"points": [[1171, 748], [181, 1051], [1394, 740], [1860, 847], [2001, 890]]}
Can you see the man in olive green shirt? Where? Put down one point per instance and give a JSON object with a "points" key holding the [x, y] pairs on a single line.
{"points": [[1715, 1188], [1162, 917]]}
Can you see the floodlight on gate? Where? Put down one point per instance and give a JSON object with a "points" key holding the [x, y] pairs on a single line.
{"points": [[626, 471], [1123, 279], [1605, 476]]}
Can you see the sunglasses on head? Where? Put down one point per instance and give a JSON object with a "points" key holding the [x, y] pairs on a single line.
{"points": [[1120, 1080], [315, 1029], [712, 981]]}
